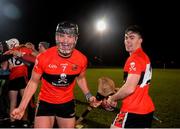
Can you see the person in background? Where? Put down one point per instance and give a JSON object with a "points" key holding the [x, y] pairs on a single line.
{"points": [[43, 46], [58, 68], [29, 60], [3, 49], [4, 75], [32, 47], [18, 78], [137, 107]]}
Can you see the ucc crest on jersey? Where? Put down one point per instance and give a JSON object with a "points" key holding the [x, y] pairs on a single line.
{"points": [[132, 66], [74, 67]]}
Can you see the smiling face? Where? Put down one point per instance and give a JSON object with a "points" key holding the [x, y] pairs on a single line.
{"points": [[66, 38], [65, 44], [132, 41]]}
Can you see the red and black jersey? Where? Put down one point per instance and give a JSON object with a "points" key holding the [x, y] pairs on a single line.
{"points": [[139, 102], [17, 67], [58, 74]]}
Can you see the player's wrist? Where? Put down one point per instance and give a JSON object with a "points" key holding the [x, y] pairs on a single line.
{"points": [[88, 96], [21, 108], [110, 99]]}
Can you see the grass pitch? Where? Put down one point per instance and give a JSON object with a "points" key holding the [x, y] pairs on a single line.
{"points": [[164, 90]]}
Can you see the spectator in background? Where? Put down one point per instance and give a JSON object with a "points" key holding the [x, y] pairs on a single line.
{"points": [[4, 79], [32, 47], [3, 49], [18, 77]]}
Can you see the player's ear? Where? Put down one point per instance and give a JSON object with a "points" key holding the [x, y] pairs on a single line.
{"points": [[141, 40], [76, 38]]}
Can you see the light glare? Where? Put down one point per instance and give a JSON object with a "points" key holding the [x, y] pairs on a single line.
{"points": [[101, 25]]}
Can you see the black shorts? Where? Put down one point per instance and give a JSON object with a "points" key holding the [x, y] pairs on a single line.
{"points": [[17, 83], [65, 110], [131, 120]]}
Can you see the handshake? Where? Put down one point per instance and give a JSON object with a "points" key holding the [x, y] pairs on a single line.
{"points": [[106, 88]]}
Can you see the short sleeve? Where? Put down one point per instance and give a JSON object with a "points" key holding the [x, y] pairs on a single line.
{"points": [[38, 66], [84, 64], [133, 66]]}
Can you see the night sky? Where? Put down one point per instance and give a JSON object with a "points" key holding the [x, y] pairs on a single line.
{"points": [[36, 20]]}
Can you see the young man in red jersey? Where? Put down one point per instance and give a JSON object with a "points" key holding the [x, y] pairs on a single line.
{"points": [[137, 107], [59, 67]]}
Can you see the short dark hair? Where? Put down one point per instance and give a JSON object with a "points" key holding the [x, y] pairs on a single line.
{"points": [[136, 29]]}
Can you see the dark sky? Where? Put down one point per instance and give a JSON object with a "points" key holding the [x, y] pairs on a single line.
{"points": [[36, 20]]}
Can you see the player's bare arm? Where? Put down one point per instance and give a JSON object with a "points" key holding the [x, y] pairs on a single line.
{"points": [[127, 89], [82, 83], [28, 92]]}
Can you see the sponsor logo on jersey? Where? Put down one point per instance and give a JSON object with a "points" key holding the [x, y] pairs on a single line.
{"points": [[52, 66]]}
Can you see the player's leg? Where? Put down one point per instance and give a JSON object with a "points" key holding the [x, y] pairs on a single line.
{"points": [[44, 121], [13, 102], [45, 115], [65, 122]]}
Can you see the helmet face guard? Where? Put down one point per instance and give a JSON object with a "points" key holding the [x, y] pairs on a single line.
{"points": [[66, 47]]}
